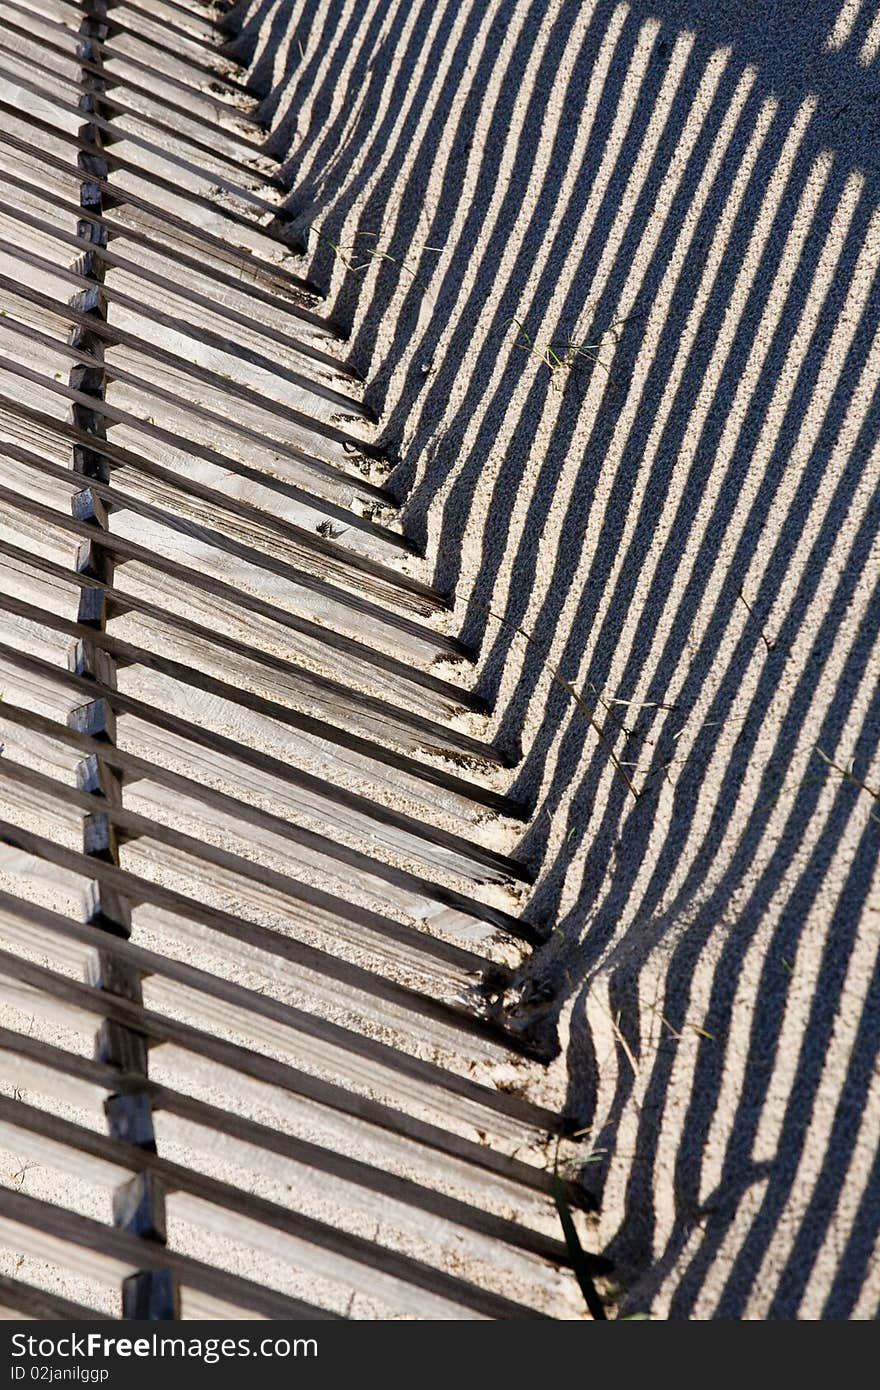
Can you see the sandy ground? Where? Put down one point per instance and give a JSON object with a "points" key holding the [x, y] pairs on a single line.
{"points": [[34, 1170], [610, 270]]}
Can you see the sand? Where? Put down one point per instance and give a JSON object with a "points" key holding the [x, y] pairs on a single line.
{"points": [[336, 991], [681, 511]]}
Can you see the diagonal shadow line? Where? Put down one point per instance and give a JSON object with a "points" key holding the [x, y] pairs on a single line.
{"points": [[563, 436], [458, 140], [674, 547], [324, 136], [709, 1066], [832, 72], [683, 965]]}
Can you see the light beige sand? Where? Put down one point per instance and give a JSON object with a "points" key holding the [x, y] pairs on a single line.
{"points": [[685, 518], [38, 1171]]}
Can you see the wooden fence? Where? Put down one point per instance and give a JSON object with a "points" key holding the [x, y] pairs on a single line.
{"points": [[257, 917]]}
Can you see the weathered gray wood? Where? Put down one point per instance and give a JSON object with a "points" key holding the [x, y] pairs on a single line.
{"points": [[491, 866], [114, 161], [351, 602], [377, 931], [60, 1234], [132, 768], [344, 403], [196, 30], [113, 54], [277, 276], [138, 1205], [395, 723], [401, 945], [402, 1190], [373, 1064], [362, 1265], [262, 523], [116, 28]]}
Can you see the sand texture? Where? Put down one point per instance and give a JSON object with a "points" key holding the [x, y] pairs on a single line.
{"points": [[484, 626], [610, 271], [258, 912]]}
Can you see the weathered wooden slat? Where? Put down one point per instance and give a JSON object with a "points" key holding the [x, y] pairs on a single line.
{"points": [[431, 739], [110, 80], [367, 1062], [343, 402], [118, 28], [354, 602], [109, 54], [317, 1032], [120, 602], [488, 864], [322, 477], [174, 284], [401, 945], [262, 523], [210, 177], [37, 14], [363, 1265], [500, 1180], [282, 280], [184, 21], [396, 723], [441, 966], [132, 768], [196, 29], [138, 1203], [52, 1232], [404, 1014], [404, 1192], [212, 269], [340, 518], [309, 424], [454, 697]]}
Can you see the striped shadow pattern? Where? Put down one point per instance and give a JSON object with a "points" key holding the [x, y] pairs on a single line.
{"points": [[630, 257]]}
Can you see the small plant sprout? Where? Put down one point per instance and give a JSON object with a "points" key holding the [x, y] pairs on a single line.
{"points": [[769, 643], [849, 775], [566, 354], [345, 253]]}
